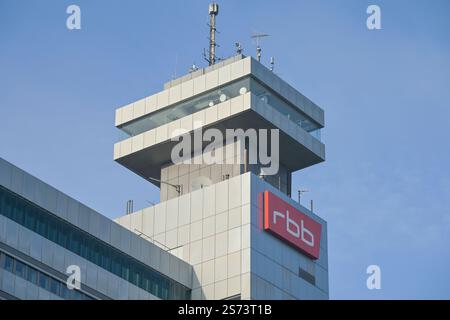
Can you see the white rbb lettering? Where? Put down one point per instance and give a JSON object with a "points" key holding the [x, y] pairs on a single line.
{"points": [[295, 230]]}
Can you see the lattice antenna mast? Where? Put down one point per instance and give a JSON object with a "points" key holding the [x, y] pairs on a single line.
{"points": [[213, 12]]}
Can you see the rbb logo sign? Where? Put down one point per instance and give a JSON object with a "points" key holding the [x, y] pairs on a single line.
{"points": [[284, 221]]}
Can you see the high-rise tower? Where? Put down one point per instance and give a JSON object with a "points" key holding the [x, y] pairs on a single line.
{"points": [[233, 219]]}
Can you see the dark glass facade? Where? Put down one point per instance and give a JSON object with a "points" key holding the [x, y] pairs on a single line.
{"points": [[40, 279], [89, 247]]}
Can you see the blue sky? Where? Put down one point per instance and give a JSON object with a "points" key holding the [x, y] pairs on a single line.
{"points": [[385, 187]]}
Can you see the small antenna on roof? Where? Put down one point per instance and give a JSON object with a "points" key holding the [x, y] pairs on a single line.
{"points": [[272, 63], [174, 75], [257, 38], [238, 48], [193, 68]]}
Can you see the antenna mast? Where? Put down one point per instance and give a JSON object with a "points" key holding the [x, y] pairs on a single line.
{"points": [[257, 38], [213, 12]]}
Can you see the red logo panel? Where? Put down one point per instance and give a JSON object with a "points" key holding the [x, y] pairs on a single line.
{"points": [[284, 221]]}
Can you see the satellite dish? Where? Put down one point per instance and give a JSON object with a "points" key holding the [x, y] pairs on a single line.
{"points": [[200, 183], [265, 99], [243, 90]]}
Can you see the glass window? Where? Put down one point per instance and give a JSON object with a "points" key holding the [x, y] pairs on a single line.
{"points": [[270, 97], [116, 268], [41, 226], [145, 284], [76, 295], [18, 212], [62, 237], [125, 270], [153, 282], [32, 275], [30, 220], [184, 108], [96, 254], [44, 281], [20, 269], [54, 286], [52, 231], [106, 261], [72, 294], [74, 243], [65, 292], [8, 263], [84, 249], [165, 293], [8, 208]]}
